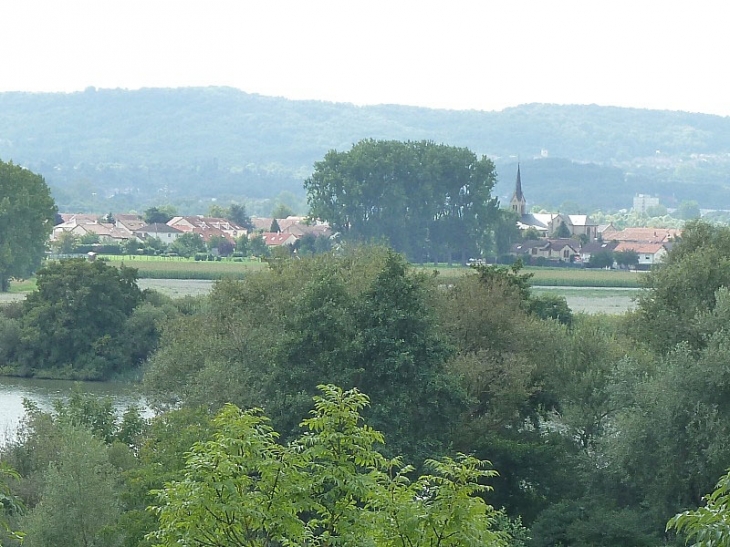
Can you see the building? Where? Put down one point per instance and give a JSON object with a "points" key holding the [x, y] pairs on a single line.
{"points": [[642, 202], [518, 201], [549, 224]]}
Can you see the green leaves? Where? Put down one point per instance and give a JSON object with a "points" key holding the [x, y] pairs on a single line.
{"points": [[707, 526], [73, 325], [331, 486], [27, 212], [424, 199]]}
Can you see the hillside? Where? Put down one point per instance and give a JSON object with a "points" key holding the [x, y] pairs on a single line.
{"points": [[116, 149]]}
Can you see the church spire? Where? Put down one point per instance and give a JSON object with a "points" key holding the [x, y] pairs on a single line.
{"points": [[518, 202]]}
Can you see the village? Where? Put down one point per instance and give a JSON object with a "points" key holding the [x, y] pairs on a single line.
{"points": [[546, 239]]}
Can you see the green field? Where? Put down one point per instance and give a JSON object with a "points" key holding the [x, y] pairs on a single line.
{"points": [[150, 267], [560, 277], [183, 268], [180, 268]]}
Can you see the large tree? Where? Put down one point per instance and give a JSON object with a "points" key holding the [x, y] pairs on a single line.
{"points": [[425, 199], [27, 213], [77, 322]]}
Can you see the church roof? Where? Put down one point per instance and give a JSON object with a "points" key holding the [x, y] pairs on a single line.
{"points": [[519, 196]]}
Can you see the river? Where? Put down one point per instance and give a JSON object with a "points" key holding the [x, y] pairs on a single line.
{"points": [[44, 392]]}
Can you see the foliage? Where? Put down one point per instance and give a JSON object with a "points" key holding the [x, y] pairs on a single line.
{"points": [[548, 306], [684, 288], [627, 258], [77, 507], [709, 525], [155, 215], [562, 232], [9, 504], [330, 486], [27, 213], [422, 198], [281, 211], [602, 259], [258, 247], [689, 210], [74, 323], [65, 243], [187, 245], [237, 214], [361, 319]]}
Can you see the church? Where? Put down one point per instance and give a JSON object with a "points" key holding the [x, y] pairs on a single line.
{"points": [[549, 224]]}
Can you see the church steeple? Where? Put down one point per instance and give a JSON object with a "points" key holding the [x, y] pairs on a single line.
{"points": [[518, 202]]}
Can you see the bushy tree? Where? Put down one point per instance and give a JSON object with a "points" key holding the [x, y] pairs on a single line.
{"points": [[627, 259], [158, 215], [73, 322], [10, 505], [361, 320], [684, 287], [237, 213], [422, 198], [188, 244], [27, 214], [79, 503], [601, 259]]}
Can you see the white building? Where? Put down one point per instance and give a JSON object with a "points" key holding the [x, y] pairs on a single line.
{"points": [[642, 202]]}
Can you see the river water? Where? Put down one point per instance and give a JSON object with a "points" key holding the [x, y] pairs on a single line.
{"points": [[44, 392]]}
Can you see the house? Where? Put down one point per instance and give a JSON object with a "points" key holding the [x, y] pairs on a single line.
{"points": [[299, 226], [642, 235], [649, 253], [593, 247], [549, 224], [277, 239], [82, 225], [565, 250], [208, 227], [129, 222], [163, 232]]}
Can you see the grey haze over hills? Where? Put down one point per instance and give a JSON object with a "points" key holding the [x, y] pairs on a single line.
{"points": [[114, 150]]}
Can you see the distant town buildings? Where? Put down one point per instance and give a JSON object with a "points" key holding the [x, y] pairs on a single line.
{"points": [[642, 202], [550, 224]]}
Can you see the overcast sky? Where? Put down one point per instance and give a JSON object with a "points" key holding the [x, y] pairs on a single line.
{"points": [[458, 54]]}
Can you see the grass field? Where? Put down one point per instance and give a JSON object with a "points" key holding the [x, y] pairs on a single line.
{"points": [[561, 277], [181, 268]]}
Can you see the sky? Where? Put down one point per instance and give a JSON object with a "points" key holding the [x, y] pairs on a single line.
{"points": [[455, 54]]}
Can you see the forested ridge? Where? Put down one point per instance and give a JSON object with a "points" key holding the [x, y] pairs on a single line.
{"points": [[104, 150], [346, 395]]}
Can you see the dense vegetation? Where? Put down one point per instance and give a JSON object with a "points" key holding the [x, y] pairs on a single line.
{"points": [[118, 150], [600, 428], [423, 199], [86, 320], [27, 213]]}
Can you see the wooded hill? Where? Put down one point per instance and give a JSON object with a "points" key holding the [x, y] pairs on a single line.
{"points": [[103, 150]]}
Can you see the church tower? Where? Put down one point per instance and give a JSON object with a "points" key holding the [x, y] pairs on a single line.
{"points": [[518, 202]]}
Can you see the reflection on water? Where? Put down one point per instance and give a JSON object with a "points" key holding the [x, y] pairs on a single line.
{"points": [[44, 392]]}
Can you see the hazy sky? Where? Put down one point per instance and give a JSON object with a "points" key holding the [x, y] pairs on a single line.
{"points": [[457, 54]]}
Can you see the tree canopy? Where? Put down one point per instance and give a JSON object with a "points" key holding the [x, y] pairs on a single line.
{"points": [[27, 214], [330, 486], [426, 200], [83, 321]]}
